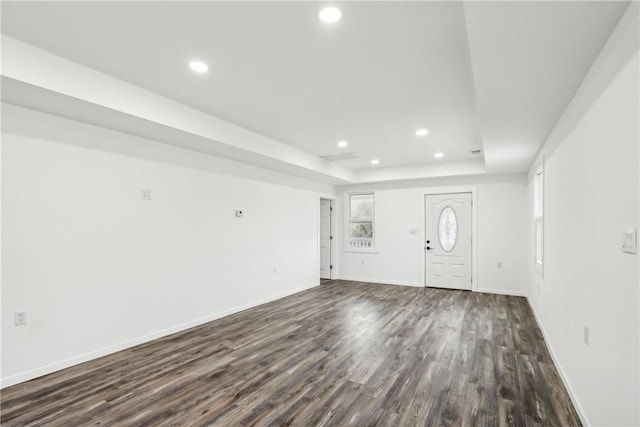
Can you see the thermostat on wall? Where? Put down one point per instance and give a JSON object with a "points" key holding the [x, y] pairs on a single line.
{"points": [[239, 212]]}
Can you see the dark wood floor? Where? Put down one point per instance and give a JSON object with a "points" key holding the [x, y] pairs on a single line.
{"points": [[344, 353]]}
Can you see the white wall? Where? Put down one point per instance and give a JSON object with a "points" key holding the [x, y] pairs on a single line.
{"points": [[98, 269], [591, 183], [399, 255], [397, 252], [502, 237]]}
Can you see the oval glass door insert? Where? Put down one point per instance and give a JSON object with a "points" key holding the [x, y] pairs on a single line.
{"points": [[447, 229]]}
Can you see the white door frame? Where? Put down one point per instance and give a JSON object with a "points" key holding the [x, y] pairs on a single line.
{"points": [[473, 189], [332, 242]]}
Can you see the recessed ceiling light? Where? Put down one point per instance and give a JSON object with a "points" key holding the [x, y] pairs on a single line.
{"points": [[421, 132], [342, 144], [330, 15], [375, 162], [198, 66], [438, 155]]}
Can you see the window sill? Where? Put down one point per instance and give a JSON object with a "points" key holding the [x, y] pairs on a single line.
{"points": [[361, 250]]}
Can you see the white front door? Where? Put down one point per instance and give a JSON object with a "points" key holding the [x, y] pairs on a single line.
{"points": [[448, 240], [325, 239]]}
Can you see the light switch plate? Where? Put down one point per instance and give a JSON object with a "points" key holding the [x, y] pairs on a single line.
{"points": [[630, 240], [20, 317]]}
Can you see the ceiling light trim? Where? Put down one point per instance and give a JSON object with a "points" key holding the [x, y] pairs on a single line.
{"points": [[330, 15], [198, 66]]}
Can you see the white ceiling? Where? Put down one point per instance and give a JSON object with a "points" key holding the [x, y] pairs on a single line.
{"points": [[479, 75]]}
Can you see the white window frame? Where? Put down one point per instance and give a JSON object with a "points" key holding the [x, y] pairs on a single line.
{"points": [[538, 219], [347, 240]]}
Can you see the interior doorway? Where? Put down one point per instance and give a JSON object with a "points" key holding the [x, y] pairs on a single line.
{"points": [[326, 238], [448, 240]]}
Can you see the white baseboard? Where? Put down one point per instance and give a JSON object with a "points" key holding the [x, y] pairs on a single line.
{"points": [[420, 285], [381, 281], [501, 292], [563, 376], [85, 357]]}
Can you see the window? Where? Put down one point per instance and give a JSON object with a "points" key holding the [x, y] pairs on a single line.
{"points": [[361, 220], [538, 216], [448, 229]]}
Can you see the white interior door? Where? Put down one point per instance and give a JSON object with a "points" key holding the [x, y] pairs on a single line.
{"points": [[448, 240], [325, 239]]}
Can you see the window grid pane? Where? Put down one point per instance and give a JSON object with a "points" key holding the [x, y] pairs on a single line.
{"points": [[447, 229], [538, 213], [361, 220]]}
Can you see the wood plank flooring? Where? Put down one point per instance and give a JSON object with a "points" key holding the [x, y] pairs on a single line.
{"points": [[344, 353]]}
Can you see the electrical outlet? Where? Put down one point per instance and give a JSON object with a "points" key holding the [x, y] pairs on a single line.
{"points": [[586, 335], [362, 262], [630, 240], [20, 317], [500, 264], [146, 194], [275, 270]]}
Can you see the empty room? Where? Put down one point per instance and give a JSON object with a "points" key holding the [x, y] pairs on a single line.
{"points": [[320, 213]]}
